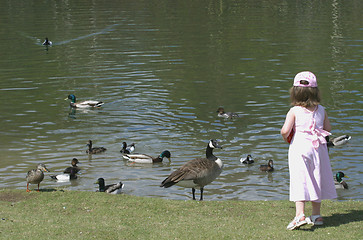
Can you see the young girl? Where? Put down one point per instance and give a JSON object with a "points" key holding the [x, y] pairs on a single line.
{"points": [[305, 128]]}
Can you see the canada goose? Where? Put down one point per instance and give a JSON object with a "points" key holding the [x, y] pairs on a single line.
{"points": [[267, 168], [74, 163], [127, 149], [143, 158], [338, 141], [115, 188], [339, 182], [35, 176], [198, 172], [65, 177], [94, 150], [222, 113], [247, 160], [83, 104]]}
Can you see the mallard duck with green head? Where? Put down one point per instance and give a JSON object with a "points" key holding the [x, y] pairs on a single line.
{"points": [[144, 158], [83, 104], [339, 182], [35, 176]]}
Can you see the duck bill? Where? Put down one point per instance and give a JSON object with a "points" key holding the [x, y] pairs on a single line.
{"points": [[169, 159]]}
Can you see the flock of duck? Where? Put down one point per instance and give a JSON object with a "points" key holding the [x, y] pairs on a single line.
{"points": [[194, 174]]}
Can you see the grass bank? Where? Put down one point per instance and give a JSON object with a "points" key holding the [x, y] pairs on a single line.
{"points": [[60, 214]]}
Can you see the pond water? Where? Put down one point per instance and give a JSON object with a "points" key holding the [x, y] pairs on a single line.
{"points": [[163, 68]]}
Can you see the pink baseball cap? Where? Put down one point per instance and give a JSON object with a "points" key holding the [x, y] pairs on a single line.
{"points": [[307, 76]]}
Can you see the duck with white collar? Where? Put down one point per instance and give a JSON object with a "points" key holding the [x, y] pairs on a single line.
{"points": [[83, 104], [144, 158], [197, 173], [339, 182]]}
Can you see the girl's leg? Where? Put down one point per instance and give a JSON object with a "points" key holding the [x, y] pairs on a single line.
{"points": [[300, 208], [316, 208]]}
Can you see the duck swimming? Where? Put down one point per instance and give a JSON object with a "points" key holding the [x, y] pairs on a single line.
{"points": [[47, 42], [339, 141], [65, 177], [247, 160], [197, 173], [94, 150], [144, 158], [74, 163], [83, 104], [127, 149], [267, 168], [339, 182], [115, 188], [35, 176], [222, 113]]}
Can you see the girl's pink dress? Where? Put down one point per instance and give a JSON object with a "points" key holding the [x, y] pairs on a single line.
{"points": [[311, 177]]}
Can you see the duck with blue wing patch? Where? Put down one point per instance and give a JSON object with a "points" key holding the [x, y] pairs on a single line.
{"points": [[197, 173]]}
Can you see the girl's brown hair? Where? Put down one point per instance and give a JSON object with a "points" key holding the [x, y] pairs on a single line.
{"points": [[305, 96]]}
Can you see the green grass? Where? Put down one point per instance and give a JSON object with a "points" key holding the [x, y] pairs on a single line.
{"points": [[63, 214]]}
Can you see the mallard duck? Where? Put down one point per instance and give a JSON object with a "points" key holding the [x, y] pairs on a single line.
{"points": [[47, 42], [267, 168], [197, 173], [247, 160], [222, 113], [112, 188], [74, 163], [339, 183], [65, 177], [35, 176], [83, 104], [143, 158], [94, 150], [127, 149], [338, 141]]}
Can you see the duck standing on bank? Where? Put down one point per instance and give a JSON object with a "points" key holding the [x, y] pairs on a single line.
{"points": [[197, 173], [144, 158], [222, 113], [35, 176], [115, 188], [83, 104]]}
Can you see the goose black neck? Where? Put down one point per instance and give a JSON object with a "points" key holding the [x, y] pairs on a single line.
{"points": [[209, 153]]}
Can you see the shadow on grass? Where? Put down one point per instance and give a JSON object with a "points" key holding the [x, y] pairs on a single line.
{"points": [[339, 219], [50, 190]]}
